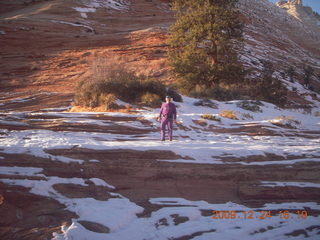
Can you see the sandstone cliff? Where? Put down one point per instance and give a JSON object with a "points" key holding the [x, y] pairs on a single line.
{"points": [[50, 45]]}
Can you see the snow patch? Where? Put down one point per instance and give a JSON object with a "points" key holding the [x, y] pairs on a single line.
{"points": [[110, 4], [74, 24], [162, 225], [100, 182], [24, 171], [83, 11], [290, 184]]}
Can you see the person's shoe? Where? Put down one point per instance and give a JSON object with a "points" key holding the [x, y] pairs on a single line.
{"points": [[170, 140], [162, 140]]}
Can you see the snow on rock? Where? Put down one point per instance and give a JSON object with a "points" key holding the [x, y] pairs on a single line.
{"points": [[271, 34], [290, 184], [100, 182], [203, 146], [162, 225], [84, 11], [111, 4], [92, 5], [89, 29], [119, 214], [25, 171]]}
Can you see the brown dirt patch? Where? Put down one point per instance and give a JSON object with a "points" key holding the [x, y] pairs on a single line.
{"points": [[38, 102], [79, 191], [29, 216]]}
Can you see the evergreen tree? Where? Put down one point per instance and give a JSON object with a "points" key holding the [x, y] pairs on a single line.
{"points": [[203, 41], [291, 73], [269, 88], [308, 72]]}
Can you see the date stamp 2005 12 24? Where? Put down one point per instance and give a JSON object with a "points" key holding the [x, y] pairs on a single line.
{"points": [[267, 214]]}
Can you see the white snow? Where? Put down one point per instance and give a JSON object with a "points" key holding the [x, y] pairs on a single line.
{"points": [[267, 39], [160, 225], [92, 6], [290, 184], [44, 187], [100, 182], [111, 4], [282, 162], [25, 171], [74, 24], [83, 11], [13, 123], [203, 144], [19, 99], [56, 109], [119, 215], [121, 103]]}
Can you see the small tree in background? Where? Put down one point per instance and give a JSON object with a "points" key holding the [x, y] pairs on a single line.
{"points": [[203, 43], [269, 88], [291, 73], [308, 72]]}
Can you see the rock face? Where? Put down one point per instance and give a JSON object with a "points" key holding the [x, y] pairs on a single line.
{"points": [[302, 13], [290, 2], [57, 181], [286, 34], [295, 2], [65, 38]]}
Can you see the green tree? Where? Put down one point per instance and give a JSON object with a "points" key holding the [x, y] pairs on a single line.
{"points": [[204, 41], [308, 72], [269, 88], [291, 73]]}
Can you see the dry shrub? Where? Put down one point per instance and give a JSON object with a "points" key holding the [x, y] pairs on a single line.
{"points": [[200, 122], [109, 101], [221, 92], [286, 121], [210, 117], [229, 114], [206, 103], [247, 116], [110, 81], [253, 106], [150, 99]]}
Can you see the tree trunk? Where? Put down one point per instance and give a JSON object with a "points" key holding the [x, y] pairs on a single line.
{"points": [[214, 55]]}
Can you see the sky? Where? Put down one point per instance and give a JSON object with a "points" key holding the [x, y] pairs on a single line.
{"points": [[314, 4]]}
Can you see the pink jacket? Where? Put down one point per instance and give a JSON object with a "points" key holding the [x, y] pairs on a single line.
{"points": [[168, 110]]}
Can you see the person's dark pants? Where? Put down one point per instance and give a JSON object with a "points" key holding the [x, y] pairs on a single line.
{"points": [[166, 122]]}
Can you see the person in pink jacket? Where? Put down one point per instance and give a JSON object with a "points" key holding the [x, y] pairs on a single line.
{"points": [[167, 115]]}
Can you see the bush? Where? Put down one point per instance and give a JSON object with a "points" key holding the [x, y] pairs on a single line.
{"points": [[151, 100], [247, 116], [88, 94], [286, 121], [152, 86], [221, 93], [109, 101], [175, 96], [229, 114], [317, 114], [210, 117], [253, 106], [109, 82], [206, 103]]}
